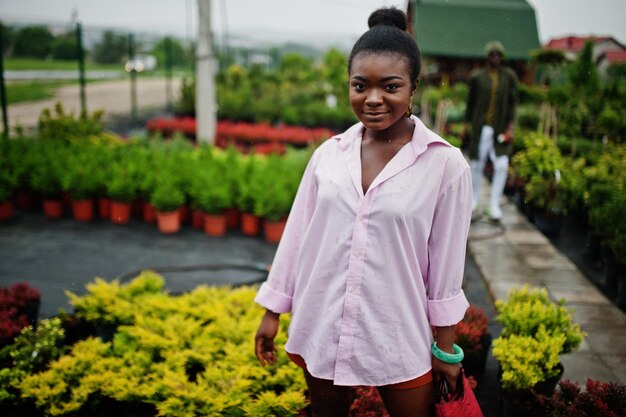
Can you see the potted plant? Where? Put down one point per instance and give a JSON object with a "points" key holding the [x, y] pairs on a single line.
{"points": [[535, 332], [278, 180], [147, 176], [606, 199], [80, 179], [7, 185], [540, 165], [167, 198], [122, 189], [247, 187], [211, 193], [45, 177], [474, 338], [598, 399]]}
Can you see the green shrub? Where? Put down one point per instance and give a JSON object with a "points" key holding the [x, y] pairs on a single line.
{"points": [[535, 332], [540, 164], [527, 310], [8, 174], [112, 302], [276, 181], [47, 160], [527, 360], [184, 355], [80, 176], [29, 353], [65, 126], [167, 196]]}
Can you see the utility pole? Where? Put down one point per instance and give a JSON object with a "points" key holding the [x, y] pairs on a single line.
{"points": [[3, 91], [206, 107], [133, 79], [81, 69]]}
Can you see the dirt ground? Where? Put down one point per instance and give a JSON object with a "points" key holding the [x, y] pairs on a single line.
{"points": [[114, 97]]}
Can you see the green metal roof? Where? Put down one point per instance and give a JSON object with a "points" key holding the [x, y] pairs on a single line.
{"points": [[461, 28]]}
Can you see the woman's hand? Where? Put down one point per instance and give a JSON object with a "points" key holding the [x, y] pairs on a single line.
{"points": [[264, 339], [449, 371]]}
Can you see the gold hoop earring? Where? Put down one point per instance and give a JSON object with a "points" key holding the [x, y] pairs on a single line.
{"points": [[409, 112]]}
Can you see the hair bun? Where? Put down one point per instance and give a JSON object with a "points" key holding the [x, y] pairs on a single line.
{"points": [[388, 16]]}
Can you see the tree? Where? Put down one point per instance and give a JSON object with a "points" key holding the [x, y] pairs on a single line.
{"points": [[65, 47], [33, 42], [111, 49], [180, 57], [583, 73]]}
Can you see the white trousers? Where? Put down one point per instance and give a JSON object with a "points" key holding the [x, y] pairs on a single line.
{"points": [[486, 149]]}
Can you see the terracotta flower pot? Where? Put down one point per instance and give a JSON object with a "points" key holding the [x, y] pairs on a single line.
{"points": [[149, 212], [104, 207], [120, 212], [214, 225], [250, 224], [475, 361], [53, 209], [6, 210], [232, 218], [273, 230], [82, 210], [197, 219], [168, 222]]}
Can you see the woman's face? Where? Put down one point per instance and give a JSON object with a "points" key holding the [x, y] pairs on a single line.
{"points": [[380, 89]]}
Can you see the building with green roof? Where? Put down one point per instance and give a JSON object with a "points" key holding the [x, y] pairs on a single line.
{"points": [[452, 34]]}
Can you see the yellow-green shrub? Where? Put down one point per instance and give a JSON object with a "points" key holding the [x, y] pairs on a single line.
{"points": [[112, 302], [185, 355], [527, 360], [527, 309]]}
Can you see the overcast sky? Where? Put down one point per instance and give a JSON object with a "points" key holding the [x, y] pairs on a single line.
{"points": [[342, 20]]}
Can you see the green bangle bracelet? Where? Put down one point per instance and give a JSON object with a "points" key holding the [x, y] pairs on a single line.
{"points": [[446, 357]]}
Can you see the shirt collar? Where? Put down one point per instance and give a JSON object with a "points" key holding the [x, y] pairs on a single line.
{"points": [[422, 136]]}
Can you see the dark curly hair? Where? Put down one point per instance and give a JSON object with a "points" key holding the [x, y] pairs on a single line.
{"points": [[387, 34]]}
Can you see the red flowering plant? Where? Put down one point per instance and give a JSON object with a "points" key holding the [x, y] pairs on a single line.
{"points": [[260, 137], [19, 306], [367, 403], [11, 323], [470, 331], [600, 399], [472, 335]]}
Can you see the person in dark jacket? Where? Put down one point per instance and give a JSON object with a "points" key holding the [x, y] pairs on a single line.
{"points": [[490, 112]]}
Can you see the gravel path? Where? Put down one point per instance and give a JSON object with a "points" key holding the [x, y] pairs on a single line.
{"points": [[111, 96]]}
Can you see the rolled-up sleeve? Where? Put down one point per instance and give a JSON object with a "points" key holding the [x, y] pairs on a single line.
{"points": [[276, 292], [446, 251]]}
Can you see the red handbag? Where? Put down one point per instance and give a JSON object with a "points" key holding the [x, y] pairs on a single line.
{"points": [[461, 403]]}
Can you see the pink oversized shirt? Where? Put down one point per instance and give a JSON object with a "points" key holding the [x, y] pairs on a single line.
{"points": [[366, 275]]}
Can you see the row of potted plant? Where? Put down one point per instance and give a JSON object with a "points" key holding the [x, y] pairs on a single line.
{"points": [[590, 187], [245, 136], [165, 175]]}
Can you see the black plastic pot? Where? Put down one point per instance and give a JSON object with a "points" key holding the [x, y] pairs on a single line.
{"points": [[475, 361], [550, 224]]}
